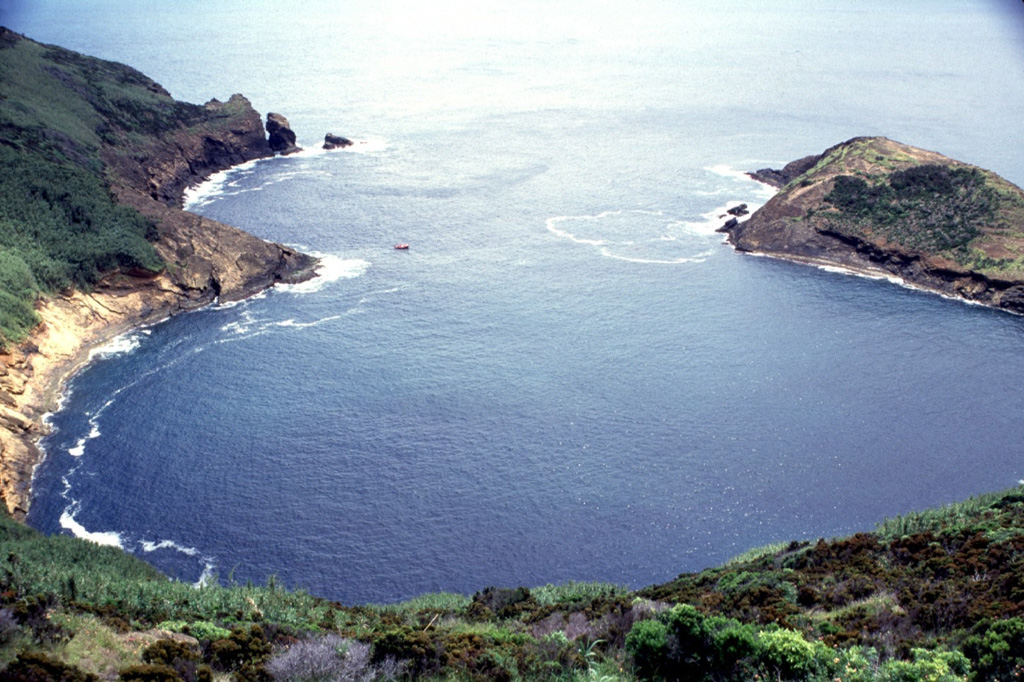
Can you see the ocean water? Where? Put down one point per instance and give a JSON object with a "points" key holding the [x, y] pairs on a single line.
{"points": [[568, 376]]}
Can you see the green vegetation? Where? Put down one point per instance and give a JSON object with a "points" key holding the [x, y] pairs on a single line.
{"points": [[61, 113], [901, 203], [929, 208], [933, 595]]}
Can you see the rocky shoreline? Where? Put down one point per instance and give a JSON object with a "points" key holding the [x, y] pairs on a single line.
{"points": [[805, 222], [207, 261]]}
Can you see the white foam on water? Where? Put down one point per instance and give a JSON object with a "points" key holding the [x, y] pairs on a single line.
{"points": [[68, 522], [552, 222], [370, 145], [303, 325], [307, 152], [243, 325], [699, 258], [218, 305], [716, 218], [119, 345], [94, 430], [331, 268], [207, 573], [872, 275], [657, 232], [204, 192], [149, 546], [206, 576], [764, 190], [727, 171]]}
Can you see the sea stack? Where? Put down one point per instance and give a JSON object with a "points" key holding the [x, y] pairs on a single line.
{"points": [[281, 137]]}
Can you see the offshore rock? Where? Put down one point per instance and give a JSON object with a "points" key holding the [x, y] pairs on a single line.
{"points": [[281, 137], [332, 141]]}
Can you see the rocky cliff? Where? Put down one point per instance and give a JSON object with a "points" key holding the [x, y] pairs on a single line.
{"points": [[63, 114], [877, 206]]}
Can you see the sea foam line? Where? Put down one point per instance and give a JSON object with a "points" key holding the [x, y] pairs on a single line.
{"points": [[69, 523], [331, 268], [205, 191], [699, 258], [120, 345], [764, 190], [369, 145], [668, 233]]}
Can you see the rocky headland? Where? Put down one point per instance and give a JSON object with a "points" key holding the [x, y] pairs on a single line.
{"points": [[879, 207], [148, 148]]}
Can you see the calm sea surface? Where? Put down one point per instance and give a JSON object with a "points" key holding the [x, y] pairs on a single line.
{"points": [[568, 375]]}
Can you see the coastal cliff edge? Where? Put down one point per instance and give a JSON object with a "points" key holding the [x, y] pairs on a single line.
{"points": [[148, 159]]}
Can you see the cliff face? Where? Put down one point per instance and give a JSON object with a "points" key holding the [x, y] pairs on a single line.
{"points": [[67, 115], [878, 206], [210, 259]]}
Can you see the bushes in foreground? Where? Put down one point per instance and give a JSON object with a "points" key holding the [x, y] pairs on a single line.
{"points": [[932, 596], [683, 644]]}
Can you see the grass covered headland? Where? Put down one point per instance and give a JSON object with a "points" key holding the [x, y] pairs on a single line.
{"points": [[935, 595], [60, 226]]}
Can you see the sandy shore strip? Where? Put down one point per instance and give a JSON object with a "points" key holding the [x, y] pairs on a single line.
{"points": [[33, 375]]}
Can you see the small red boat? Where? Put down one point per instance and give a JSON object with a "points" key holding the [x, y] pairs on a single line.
{"points": [[402, 247]]}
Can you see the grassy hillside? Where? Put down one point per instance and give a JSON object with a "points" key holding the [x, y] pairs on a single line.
{"points": [[891, 194], [929, 596], [59, 225]]}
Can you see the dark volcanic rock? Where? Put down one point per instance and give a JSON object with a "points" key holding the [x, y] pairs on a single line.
{"points": [[738, 211], [281, 136], [793, 169], [332, 141], [229, 133]]}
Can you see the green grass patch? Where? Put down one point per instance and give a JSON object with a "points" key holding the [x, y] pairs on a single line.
{"points": [[756, 553], [951, 518], [576, 592]]}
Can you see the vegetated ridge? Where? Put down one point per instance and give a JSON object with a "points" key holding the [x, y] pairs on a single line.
{"points": [[877, 206], [93, 240], [936, 595]]}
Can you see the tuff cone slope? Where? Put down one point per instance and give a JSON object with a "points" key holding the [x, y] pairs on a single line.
{"points": [[874, 205]]}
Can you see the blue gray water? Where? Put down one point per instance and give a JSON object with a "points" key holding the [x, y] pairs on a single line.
{"points": [[568, 375]]}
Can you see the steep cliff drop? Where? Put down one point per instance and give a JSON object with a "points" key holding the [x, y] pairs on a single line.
{"points": [[877, 206], [148, 148]]}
